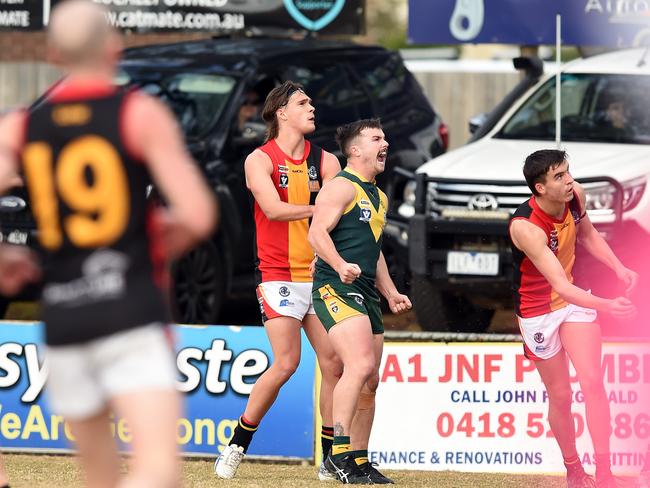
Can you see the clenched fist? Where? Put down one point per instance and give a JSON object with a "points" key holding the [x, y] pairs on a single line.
{"points": [[348, 272], [399, 303]]}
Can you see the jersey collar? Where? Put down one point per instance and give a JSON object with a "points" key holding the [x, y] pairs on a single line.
{"points": [[353, 172]]}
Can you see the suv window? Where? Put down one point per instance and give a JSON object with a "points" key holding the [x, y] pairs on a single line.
{"points": [[197, 99], [387, 80], [595, 108], [334, 98]]}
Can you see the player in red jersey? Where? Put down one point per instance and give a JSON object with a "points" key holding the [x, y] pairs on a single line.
{"points": [[557, 317], [284, 176]]}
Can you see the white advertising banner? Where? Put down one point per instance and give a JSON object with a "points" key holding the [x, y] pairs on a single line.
{"points": [[483, 408]]}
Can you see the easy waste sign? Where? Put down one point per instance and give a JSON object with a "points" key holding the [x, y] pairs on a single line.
{"points": [[619, 23]]}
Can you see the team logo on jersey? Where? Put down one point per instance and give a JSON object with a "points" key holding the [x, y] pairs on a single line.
{"points": [[365, 215], [538, 337], [284, 180], [553, 241], [334, 307], [312, 173], [357, 298], [284, 291]]}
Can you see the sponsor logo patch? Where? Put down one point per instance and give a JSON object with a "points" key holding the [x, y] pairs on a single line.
{"points": [[541, 348], [334, 308], [284, 180], [553, 242], [283, 169], [314, 185], [286, 303]]}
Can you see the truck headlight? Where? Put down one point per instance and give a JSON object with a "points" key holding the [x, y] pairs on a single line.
{"points": [[632, 192], [409, 193], [599, 197], [407, 208]]}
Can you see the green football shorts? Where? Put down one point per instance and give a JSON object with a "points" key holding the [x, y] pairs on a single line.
{"points": [[335, 303]]}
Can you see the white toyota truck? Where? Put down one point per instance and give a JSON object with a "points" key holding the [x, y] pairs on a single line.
{"points": [[454, 211]]}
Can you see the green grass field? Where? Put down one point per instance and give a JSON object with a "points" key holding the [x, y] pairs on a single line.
{"points": [[40, 471]]}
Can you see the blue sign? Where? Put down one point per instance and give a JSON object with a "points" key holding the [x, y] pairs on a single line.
{"points": [[584, 22], [217, 368]]}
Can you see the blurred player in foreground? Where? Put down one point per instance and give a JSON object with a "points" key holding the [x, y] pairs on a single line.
{"points": [[88, 152]]}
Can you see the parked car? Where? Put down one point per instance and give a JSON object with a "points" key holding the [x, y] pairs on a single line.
{"points": [[458, 205], [206, 82]]}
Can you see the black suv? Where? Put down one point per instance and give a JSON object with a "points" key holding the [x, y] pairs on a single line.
{"points": [[206, 83]]}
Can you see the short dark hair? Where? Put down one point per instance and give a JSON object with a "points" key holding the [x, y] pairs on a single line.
{"points": [[277, 98], [539, 163], [346, 133]]}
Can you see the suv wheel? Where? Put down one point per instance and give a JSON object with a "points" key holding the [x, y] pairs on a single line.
{"points": [[198, 286], [439, 311]]}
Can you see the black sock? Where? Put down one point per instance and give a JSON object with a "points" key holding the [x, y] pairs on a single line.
{"points": [[603, 465], [243, 433], [326, 439]]}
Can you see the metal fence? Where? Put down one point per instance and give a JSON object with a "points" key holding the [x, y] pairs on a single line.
{"points": [[22, 82]]}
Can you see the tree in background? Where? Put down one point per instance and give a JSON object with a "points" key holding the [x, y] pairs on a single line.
{"points": [[386, 22]]}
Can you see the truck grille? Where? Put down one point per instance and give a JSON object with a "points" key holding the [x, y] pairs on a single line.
{"points": [[470, 200]]}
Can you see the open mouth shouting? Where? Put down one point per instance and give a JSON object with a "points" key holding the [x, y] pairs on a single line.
{"points": [[381, 156]]}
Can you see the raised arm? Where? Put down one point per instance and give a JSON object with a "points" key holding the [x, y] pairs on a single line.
{"points": [[594, 243], [331, 202], [531, 240], [258, 169]]}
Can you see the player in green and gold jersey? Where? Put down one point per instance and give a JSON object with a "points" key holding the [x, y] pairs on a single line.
{"points": [[349, 218]]}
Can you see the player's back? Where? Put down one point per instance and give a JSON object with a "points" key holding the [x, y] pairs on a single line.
{"points": [[102, 270]]}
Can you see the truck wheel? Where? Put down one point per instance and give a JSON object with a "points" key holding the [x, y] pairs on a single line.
{"points": [[439, 311], [198, 286]]}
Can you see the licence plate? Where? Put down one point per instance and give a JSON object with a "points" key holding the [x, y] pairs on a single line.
{"points": [[473, 263], [18, 237]]}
